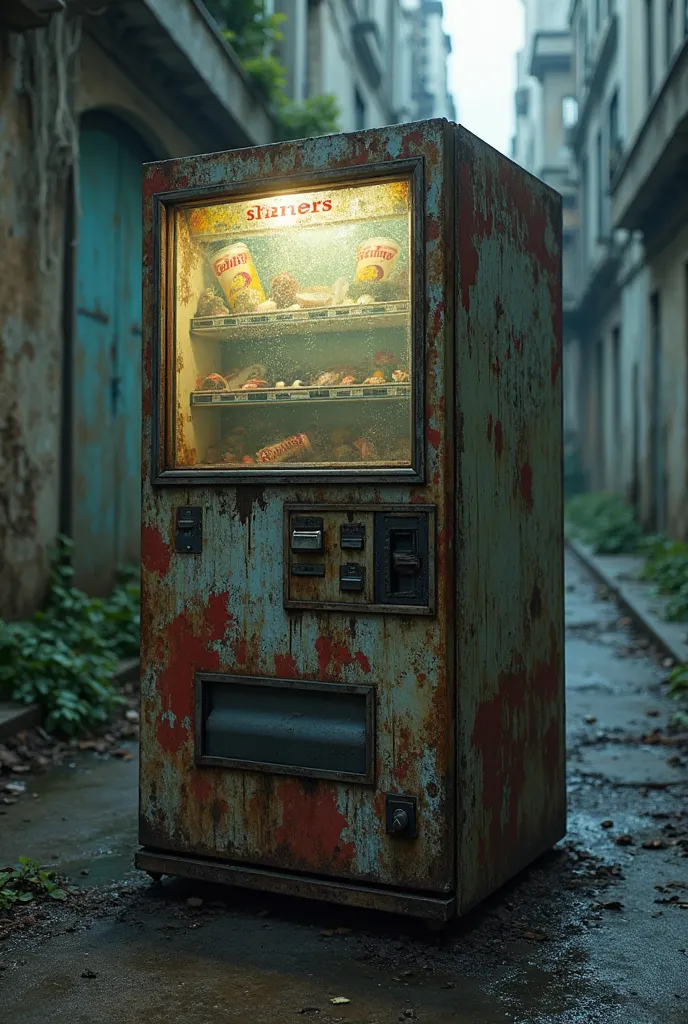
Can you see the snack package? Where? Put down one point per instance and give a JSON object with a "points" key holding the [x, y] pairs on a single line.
{"points": [[377, 258], [290, 448], [234, 268]]}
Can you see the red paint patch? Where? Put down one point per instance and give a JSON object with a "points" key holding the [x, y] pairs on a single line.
{"points": [[187, 639], [155, 553], [499, 438], [518, 344], [527, 484], [340, 655], [495, 367], [361, 659], [312, 826], [516, 734], [434, 437], [432, 230], [155, 180], [438, 319], [201, 788], [285, 666]]}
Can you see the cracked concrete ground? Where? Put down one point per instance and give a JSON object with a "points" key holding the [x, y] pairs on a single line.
{"points": [[593, 932]]}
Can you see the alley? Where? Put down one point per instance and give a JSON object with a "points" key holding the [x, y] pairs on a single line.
{"points": [[596, 931]]}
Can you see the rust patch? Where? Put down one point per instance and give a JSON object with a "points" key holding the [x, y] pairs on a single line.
{"points": [[499, 438], [245, 499], [513, 711], [329, 652], [187, 638], [474, 227], [155, 553], [285, 666], [312, 826], [527, 484]]}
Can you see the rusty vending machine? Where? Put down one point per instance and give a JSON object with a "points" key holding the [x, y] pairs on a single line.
{"points": [[352, 596]]}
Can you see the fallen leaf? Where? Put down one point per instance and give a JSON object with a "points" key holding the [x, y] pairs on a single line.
{"points": [[654, 844], [339, 1000], [15, 788], [328, 933], [624, 840], [342, 931], [607, 823], [535, 936]]}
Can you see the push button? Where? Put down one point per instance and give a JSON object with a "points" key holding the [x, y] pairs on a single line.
{"points": [[352, 536], [307, 533], [351, 577]]}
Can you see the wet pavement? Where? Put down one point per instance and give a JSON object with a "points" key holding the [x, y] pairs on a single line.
{"points": [[593, 932]]}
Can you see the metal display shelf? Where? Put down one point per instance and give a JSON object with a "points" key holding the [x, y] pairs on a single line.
{"points": [[374, 316], [260, 396]]}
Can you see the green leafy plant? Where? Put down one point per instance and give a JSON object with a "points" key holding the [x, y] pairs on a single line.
{"points": [[604, 521], [666, 565], [64, 657], [25, 882], [254, 34], [678, 681]]}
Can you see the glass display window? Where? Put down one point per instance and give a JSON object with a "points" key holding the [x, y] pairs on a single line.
{"points": [[292, 330]]}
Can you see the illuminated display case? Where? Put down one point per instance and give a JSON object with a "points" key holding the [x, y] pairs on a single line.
{"points": [[290, 330]]}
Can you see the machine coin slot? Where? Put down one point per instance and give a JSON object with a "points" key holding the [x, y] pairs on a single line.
{"points": [[189, 530], [307, 533], [401, 560], [307, 569], [352, 577], [352, 536]]}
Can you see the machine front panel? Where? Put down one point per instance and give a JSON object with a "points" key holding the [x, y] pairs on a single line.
{"points": [[297, 686]]}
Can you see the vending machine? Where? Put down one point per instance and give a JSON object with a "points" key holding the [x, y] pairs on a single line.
{"points": [[352, 581]]}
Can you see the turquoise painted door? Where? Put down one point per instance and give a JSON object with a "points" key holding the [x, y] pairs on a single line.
{"points": [[107, 358]]}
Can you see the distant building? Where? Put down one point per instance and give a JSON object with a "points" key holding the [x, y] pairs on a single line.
{"points": [[385, 61], [631, 150], [70, 287], [546, 111]]}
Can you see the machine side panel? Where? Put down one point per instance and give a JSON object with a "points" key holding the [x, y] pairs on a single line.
{"points": [[222, 611], [509, 551]]}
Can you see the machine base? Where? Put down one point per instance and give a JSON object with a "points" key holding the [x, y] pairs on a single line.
{"points": [[429, 908]]}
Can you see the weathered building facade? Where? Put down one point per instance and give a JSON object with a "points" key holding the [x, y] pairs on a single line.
{"points": [[631, 150], [84, 98]]}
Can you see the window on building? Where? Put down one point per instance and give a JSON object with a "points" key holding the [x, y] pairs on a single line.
{"points": [[585, 210], [614, 135], [359, 111], [669, 29], [569, 112], [616, 382], [650, 46], [599, 145]]}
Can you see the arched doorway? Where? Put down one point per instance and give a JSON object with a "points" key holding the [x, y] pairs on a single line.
{"points": [[106, 353]]}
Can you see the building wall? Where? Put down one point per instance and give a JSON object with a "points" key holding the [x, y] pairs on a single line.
{"points": [[668, 276], [30, 332], [31, 311]]}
